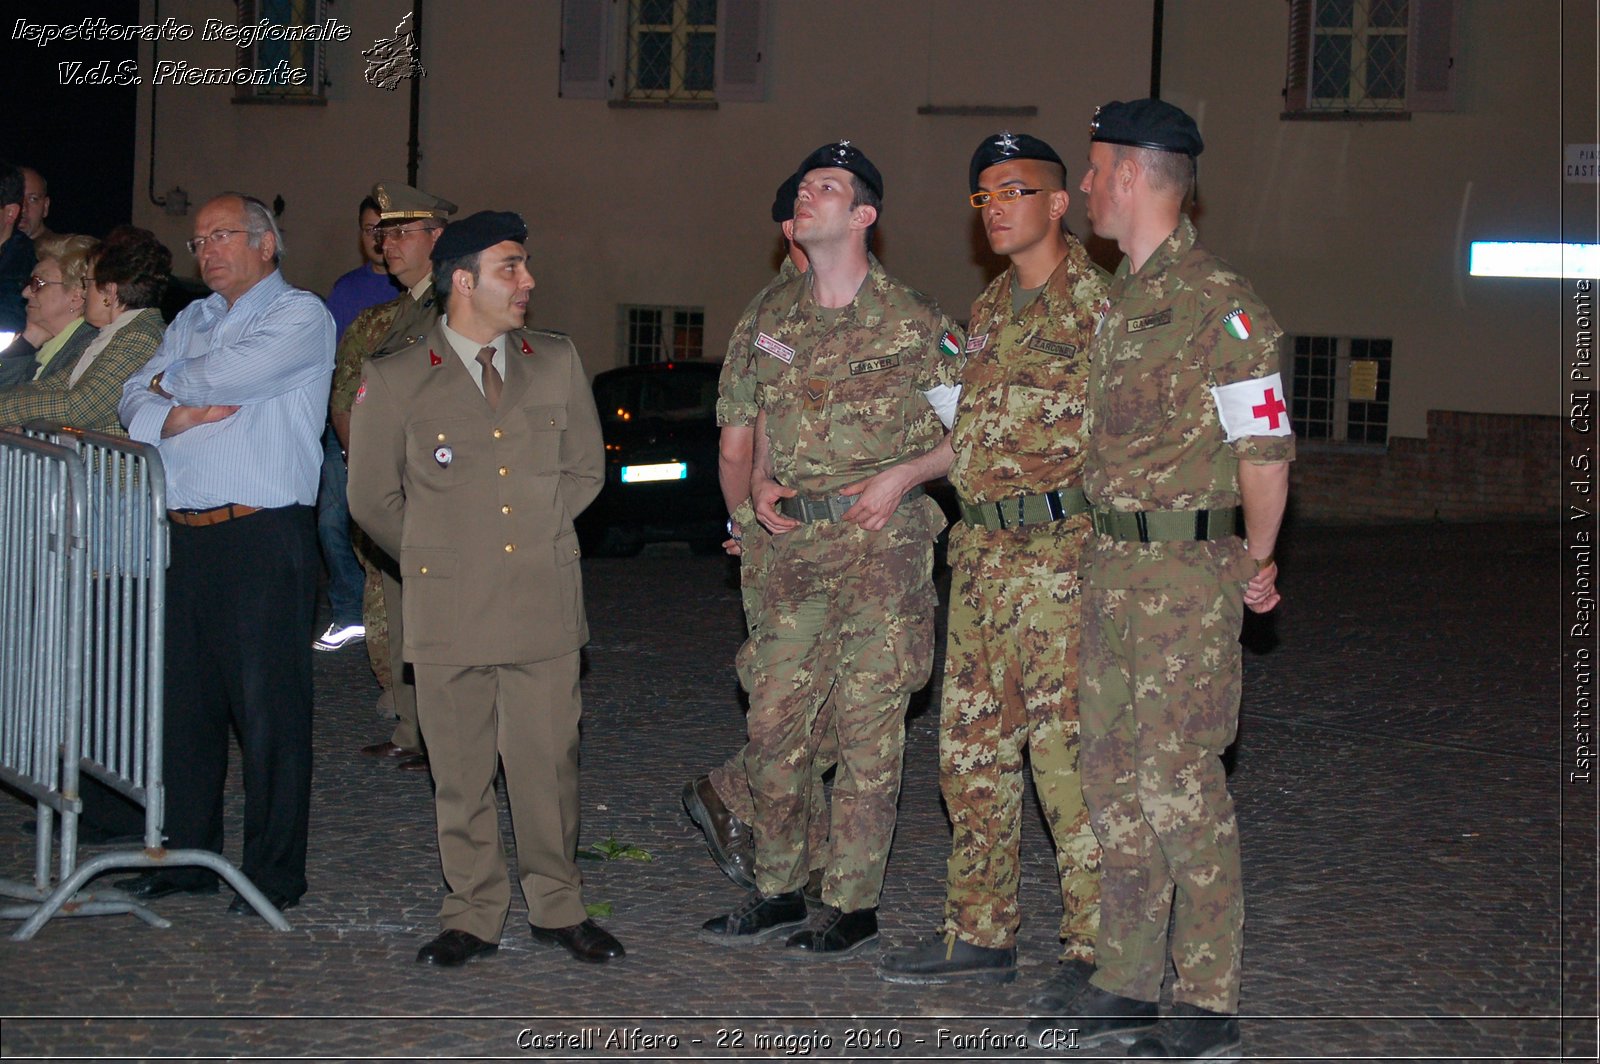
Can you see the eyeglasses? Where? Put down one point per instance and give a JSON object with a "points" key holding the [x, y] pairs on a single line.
{"points": [[37, 283], [1003, 195], [395, 230], [372, 230], [216, 238]]}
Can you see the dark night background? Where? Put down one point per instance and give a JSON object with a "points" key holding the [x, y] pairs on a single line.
{"points": [[80, 137]]}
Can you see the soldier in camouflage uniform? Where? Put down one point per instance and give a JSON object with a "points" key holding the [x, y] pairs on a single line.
{"points": [[856, 374], [1010, 670], [719, 803], [1187, 427], [410, 223]]}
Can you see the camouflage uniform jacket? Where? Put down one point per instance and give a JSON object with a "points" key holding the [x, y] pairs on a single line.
{"points": [[380, 330], [736, 387], [844, 400], [1019, 427], [1155, 441]]}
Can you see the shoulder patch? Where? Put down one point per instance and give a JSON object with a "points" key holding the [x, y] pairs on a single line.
{"points": [[949, 344], [361, 393], [1237, 322]]}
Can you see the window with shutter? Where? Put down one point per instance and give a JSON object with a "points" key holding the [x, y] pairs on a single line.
{"points": [[1369, 58], [692, 52], [283, 70]]}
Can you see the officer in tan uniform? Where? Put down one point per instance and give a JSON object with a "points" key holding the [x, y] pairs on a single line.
{"points": [[1188, 434], [719, 803], [471, 453], [1010, 669], [409, 222], [857, 373]]}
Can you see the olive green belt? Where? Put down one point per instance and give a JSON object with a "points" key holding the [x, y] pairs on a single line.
{"points": [[809, 508], [1038, 509], [1151, 526]]}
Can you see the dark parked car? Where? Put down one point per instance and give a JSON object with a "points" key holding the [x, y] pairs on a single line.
{"points": [[660, 428]]}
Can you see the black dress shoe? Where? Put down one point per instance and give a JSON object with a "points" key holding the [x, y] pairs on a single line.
{"points": [[588, 941], [452, 949], [240, 907], [730, 840], [387, 750], [756, 919], [947, 959], [836, 934], [1097, 1016], [148, 886], [419, 763]]}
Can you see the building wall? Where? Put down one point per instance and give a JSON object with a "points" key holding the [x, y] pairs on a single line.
{"points": [[1468, 467], [1346, 228], [631, 205], [1361, 228]]}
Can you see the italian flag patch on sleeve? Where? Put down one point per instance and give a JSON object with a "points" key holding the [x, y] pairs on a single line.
{"points": [[949, 344], [1237, 323]]}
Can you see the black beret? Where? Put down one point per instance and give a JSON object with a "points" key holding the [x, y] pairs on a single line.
{"points": [[1005, 146], [845, 156], [1146, 123], [476, 232], [783, 200]]}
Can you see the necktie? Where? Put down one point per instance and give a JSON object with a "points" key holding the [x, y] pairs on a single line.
{"points": [[492, 381]]}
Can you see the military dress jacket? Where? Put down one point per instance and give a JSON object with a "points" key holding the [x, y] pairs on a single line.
{"points": [[1182, 325], [477, 504]]}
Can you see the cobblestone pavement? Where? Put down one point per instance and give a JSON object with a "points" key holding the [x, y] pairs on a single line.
{"points": [[1397, 779]]}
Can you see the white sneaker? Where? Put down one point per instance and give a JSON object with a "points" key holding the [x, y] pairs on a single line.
{"points": [[339, 636]]}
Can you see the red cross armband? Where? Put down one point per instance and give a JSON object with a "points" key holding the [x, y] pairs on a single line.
{"points": [[1255, 407]]}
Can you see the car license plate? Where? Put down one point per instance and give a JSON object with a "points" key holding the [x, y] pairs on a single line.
{"points": [[644, 474]]}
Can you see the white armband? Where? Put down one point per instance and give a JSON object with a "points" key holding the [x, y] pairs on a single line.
{"points": [[1255, 407], [943, 399]]}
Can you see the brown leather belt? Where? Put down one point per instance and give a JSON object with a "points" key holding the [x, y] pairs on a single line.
{"points": [[214, 516]]}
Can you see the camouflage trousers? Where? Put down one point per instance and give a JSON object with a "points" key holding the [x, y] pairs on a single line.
{"points": [[380, 600], [731, 779], [837, 616], [1011, 681], [1160, 702]]}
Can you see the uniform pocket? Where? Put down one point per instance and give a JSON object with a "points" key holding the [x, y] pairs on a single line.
{"points": [[429, 594], [569, 580]]}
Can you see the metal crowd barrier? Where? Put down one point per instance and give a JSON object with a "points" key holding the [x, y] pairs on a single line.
{"points": [[101, 646]]}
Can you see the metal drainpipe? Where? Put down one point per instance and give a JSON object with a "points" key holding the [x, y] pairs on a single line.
{"points": [[414, 147], [155, 57], [1155, 48]]}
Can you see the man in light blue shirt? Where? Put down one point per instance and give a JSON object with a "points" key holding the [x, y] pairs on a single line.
{"points": [[235, 398]]}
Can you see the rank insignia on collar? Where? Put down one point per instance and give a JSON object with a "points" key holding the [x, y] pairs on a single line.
{"points": [[433, 359], [526, 349]]}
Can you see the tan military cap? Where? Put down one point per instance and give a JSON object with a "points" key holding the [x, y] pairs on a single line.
{"points": [[400, 202]]}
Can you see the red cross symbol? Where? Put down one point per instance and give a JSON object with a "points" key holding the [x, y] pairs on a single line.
{"points": [[1269, 409]]}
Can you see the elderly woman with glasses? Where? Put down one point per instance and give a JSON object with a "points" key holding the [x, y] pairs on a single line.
{"points": [[55, 325], [122, 289]]}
